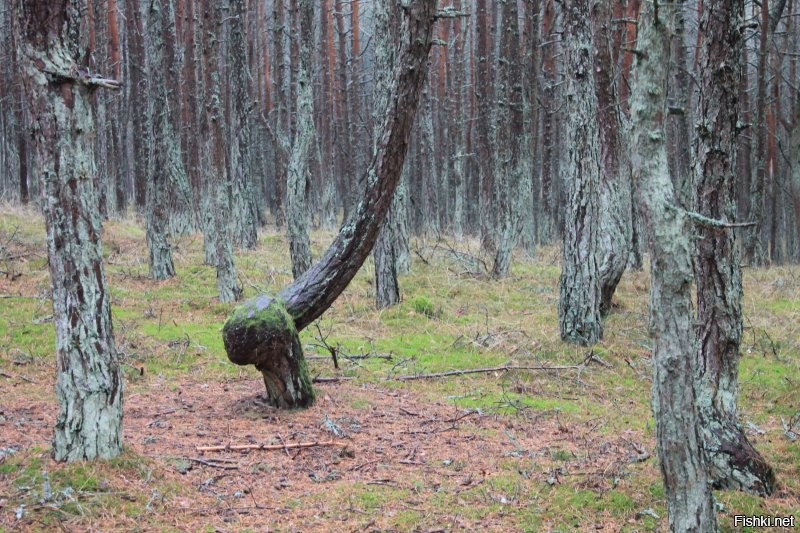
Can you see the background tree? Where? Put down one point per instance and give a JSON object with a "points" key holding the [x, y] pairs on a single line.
{"points": [[734, 463], [297, 183], [52, 47]]}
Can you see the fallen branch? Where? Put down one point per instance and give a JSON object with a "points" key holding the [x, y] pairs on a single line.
{"points": [[214, 465], [335, 379], [505, 368], [268, 447]]}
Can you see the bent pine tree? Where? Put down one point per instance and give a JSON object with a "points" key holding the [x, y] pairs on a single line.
{"points": [[264, 330]]}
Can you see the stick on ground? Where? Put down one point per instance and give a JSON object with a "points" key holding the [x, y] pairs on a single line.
{"points": [[268, 447]]}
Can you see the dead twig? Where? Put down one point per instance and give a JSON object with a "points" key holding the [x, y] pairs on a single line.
{"points": [[505, 368], [213, 465], [332, 379], [268, 447]]}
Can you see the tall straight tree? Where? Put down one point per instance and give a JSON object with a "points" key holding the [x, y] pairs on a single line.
{"points": [[509, 136], [241, 148], [579, 299], [52, 47], [217, 182], [680, 446], [733, 462], [297, 182], [165, 147]]}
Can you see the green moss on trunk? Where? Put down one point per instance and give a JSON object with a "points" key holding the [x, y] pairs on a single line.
{"points": [[261, 332]]}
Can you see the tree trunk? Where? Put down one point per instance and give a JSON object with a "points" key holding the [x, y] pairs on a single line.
{"points": [[689, 499], [297, 176], [509, 136], [387, 288], [733, 462], [217, 181], [260, 332], [165, 147], [580, 297], [615, 183], [89, 384], [244, 212]]}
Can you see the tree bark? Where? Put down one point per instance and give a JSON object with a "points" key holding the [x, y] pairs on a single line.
{"points": [[733, 462], [579, 302], [259, 328], [689, 499], [387, 287], [241, 147], [218, 184], [615, 183], [165, 147], [297, 181], [89, 384], [509, 136]]}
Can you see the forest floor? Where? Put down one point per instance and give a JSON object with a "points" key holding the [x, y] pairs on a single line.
{"points": [[521, 450]]}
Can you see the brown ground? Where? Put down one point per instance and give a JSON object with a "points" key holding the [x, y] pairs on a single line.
{"points": [[393, 440]]}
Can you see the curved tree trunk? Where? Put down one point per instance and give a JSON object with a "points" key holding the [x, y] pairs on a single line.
{"points": [[615, 184], [579, 301], [689, 499], [89, 384], [733, 462], [258, 332]]}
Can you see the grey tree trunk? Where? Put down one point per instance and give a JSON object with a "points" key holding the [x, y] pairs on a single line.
{"points": [[509, 134], [615, 183], [579, 299], [387, 287], [165, 148], [733, 462], [297, 181], [89, 385], [218, 186], [689, 498], [244, 211], [264, 331]]}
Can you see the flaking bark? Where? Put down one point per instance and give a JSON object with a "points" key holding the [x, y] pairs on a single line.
{"points": [[89, 385], [579, 302], [689, 499]]}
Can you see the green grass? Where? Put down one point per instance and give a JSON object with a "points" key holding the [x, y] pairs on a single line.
{"points": [[444, 322]]}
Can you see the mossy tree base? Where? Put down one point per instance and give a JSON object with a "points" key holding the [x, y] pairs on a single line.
{"points": [[261, 332]]}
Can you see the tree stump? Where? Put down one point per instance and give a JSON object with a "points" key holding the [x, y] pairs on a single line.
{"points": [[261, 332]]}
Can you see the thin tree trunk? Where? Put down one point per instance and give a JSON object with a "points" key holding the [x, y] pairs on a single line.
{"points": [[89, 385], [165, 147], [387, 288], [615, 182], [509, 136], [579, 302], [217, 181], [733, 462], [241, 147], [297, 175], [689, 499]]}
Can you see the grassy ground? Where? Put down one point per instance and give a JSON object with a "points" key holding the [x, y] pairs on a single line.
{"points": [[503, 451]]}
